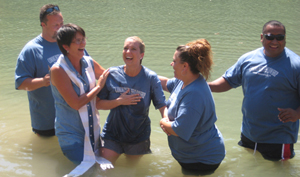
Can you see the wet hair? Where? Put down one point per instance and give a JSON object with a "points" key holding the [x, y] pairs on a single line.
{"points": [[66, 34], [142, 44], [198, 55], [273, 23], [44, 13]]}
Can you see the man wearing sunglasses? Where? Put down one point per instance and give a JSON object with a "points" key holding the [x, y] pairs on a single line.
{"points": [[270, 79], [32, 71]]}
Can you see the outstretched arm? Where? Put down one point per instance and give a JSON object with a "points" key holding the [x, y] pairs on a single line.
{"points": [[163, 81], [219, 85], [62, 82], [98, 69]]}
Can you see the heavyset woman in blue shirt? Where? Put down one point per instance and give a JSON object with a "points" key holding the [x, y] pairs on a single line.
{"points": [[194, 139]]}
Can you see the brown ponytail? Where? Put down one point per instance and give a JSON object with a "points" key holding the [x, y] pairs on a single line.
{"points": [[198, 55]]}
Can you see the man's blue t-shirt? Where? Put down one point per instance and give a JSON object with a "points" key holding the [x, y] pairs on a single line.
{"points": [[35, 59], [268, 84]]}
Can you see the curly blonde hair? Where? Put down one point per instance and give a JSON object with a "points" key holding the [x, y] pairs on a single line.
{"points": [[198, 55]]}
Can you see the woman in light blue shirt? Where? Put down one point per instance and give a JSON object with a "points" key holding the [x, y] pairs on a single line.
{"points": [[194, 139]]}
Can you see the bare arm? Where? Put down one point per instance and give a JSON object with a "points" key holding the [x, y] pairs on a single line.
{"points": [[123, 99], [166, 126], [163, 111], [98, 69], [163, 81], [62, 82], [219, 85], [31, 84]]}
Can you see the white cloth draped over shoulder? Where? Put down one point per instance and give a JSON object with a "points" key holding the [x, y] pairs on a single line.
{"points": [[90, 157]]}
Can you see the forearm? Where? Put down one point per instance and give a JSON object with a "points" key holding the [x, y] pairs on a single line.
{"points": [[107, 104], [31, 84], [163, 111], [163, 81], [219, 85], [85, 98], [167, 126], [123, 99], [98, 69]]}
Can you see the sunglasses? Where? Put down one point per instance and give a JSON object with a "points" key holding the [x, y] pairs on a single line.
{"points": [[51, 9], [271, 37]]}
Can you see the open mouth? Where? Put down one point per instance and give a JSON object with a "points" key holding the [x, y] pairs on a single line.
{"points": [[273, 46], [128, 58]]}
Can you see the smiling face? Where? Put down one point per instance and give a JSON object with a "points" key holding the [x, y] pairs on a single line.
{"points": [[273, 48], [177, 65], [132, 55], [77, 46]]}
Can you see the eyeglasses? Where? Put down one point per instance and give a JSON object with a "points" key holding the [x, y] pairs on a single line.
{"points": [[79, 41], [51, 9], [271, 37]]}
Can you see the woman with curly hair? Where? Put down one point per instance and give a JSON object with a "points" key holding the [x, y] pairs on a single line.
{"points": [[194, 139]]}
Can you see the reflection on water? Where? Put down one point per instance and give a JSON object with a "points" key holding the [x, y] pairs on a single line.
{"points": [[232, 27]]}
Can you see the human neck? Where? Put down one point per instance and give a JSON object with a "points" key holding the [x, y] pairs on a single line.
{"points": [[48, 38], [76, 63], [189, 79], [132, 71]]}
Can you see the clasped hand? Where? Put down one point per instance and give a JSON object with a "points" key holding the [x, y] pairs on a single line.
{"points": [[162, 121], [288, 115]]}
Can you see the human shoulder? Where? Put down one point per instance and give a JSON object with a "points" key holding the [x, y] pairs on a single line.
{"points": [[292, 54], [33, 44], [89, 60], [173, 83], [115, 69], [197, 92], [198, 86], [293, 59], [87, 57], [252, 53], [58, 75], [31, 50], [149, 72]]}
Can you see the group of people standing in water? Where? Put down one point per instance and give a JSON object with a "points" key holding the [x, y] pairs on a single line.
{"points": [[66, 87]]}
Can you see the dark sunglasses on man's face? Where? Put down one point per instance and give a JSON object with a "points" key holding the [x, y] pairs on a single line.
{"points": [[271, 37], [51, 9]]}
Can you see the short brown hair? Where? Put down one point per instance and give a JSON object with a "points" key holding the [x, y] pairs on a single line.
{"points": [[66, 34], [44, 13]]}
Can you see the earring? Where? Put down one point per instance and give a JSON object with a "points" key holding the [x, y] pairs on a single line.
{"points": [[67, 51]]}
